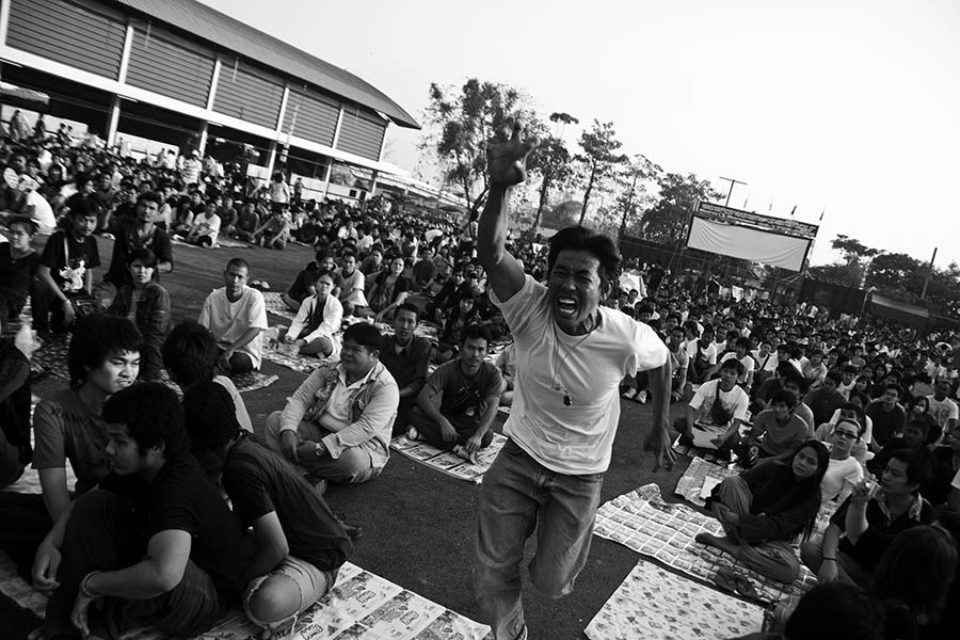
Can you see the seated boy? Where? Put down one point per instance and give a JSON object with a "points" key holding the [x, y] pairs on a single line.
{"points": [[153, 545], [777, 432], [458, 404], [300, 544], [716, 411]]}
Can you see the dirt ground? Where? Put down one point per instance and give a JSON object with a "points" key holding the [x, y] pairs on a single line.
{"points": [[418, 524]]}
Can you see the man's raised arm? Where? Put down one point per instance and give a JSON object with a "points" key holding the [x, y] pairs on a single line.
{"points": [[506, 164]]}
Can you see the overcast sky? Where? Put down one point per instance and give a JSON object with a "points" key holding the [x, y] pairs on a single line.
{"points": [[849, 106]]}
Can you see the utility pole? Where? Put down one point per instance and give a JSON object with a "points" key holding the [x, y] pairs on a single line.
{"points": [[730, 190]]}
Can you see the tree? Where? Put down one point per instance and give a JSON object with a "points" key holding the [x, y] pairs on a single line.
{"points": [[464, 123], [552, 161], [630, 201], [600, 157], [667, 221]]}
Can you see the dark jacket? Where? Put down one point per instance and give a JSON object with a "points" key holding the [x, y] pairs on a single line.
{"points": [[152, 319]]}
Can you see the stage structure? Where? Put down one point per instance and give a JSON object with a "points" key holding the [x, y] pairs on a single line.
{"points": [[750, 236]]}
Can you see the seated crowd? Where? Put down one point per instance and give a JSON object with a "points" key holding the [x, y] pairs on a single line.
{"points": [[855, 415]]}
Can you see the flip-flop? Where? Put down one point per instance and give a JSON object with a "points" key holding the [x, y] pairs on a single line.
{"points": [[745, 588]]}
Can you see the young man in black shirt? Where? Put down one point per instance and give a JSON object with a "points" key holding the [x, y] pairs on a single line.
{"points": [[155, 540], [66, 269], [300, 544]]}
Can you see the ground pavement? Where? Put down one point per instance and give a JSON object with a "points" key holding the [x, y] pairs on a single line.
{"points": [[418, 524]]}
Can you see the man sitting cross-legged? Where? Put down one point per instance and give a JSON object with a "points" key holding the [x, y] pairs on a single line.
{"points": [[300, 544], [153, 545], [236, 315], [337, 424], [460, 400], [406, 356]]}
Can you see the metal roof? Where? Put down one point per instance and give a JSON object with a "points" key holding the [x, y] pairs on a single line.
{"points": [[229, 33]]}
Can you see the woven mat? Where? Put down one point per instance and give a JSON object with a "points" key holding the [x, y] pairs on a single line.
{"points": [[700, 478], [252, 380], [641, 520], [448, 462], [51, 358], [361, 605], [654, 604], [277, 306]]}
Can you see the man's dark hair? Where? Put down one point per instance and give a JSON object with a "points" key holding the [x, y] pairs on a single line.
{"points": [[152, 414], [742, 342], [150, 196], [96, 338], [364, 334], [919, 465], [144, 255], [733, 363], [190, 353], [474, 331], [921, 425], [894, 385], [835, 377], [237, 262], [597, 244], [836, 611], [408, 306], [917, 569], [211, 418], [782, 396]]}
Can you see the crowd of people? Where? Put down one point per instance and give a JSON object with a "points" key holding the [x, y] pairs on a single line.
{"points": [[855, 414]]}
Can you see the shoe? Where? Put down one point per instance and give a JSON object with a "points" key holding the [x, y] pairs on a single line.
{"points": [[413, 434], [629, 394], [642, 397]]}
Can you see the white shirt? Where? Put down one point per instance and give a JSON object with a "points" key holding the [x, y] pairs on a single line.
{"points": [[736, 401], [228, 321], [944, 410], [840, 479], [575, 439]]}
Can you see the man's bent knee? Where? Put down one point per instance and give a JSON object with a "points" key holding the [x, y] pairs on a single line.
{"points": [[272, 599]]}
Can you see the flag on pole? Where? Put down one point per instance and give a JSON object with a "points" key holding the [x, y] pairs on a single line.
{"points": [[770, 208], [794, 210], [822, 211], [745, 201]]}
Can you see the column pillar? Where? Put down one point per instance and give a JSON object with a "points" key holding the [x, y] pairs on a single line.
{"points": [[113, 122]]}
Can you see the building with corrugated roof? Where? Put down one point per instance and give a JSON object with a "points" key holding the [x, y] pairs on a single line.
{"points": [[181, 73]]}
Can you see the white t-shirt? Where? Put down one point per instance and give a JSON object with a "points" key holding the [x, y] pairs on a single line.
{"points": [[736, 401], [239, 408], [575, 439], [943, 411], [213, 226], [748, 365], [228, 321], [840, 479]]}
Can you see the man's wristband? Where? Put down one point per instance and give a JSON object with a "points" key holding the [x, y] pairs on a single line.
{"points": [[319, 449], [829, 558], [85, 587]]}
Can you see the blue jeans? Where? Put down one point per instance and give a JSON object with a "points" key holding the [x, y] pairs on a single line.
{"points": [[518, 496]]}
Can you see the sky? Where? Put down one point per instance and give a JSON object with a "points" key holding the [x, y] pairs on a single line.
{"points": [[848, 108]]}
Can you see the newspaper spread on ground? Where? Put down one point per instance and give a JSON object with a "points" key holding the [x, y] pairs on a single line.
{"points": [[447, 461], [641, 520], [655, 604]]}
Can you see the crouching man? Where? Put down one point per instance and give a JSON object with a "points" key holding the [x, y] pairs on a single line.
{"points": [[337, 424], [458, 404], [300, 544], [153, 545]]}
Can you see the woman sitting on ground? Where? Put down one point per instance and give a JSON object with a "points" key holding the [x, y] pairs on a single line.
{"points": [[764, 508], [314, 330], [147, 303]]}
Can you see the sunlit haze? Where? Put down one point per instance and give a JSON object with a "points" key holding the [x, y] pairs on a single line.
{"points": [[845, 107]]}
